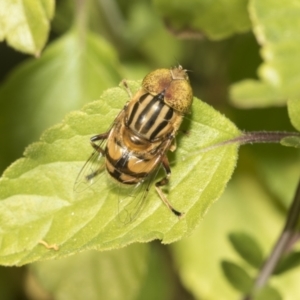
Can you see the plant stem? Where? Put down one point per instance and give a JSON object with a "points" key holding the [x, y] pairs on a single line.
{"points": [[254, 137], [284, 244], [261, 137], [113, 16], [251, 138], [81, 8]]}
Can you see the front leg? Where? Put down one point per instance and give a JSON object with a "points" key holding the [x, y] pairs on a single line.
{"points": [[127, 88]]}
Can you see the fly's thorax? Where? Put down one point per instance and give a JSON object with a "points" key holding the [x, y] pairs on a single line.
{"points": [[150, 119], [135, 142], [174, 83]]}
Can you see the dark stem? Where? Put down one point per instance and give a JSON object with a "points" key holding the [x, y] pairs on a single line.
{"points": [[284, 244], [261, 137], [255, 137]]}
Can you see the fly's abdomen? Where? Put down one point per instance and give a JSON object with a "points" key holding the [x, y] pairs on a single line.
{"points": [[125, 165], [129, 169]]}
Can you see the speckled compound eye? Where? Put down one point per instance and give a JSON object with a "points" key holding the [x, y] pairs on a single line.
{"points": [[174, 83]]}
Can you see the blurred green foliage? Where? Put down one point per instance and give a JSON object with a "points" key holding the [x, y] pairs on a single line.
{"points": [[241, 54]]}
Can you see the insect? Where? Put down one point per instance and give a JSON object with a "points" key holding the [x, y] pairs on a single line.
{"points": [[135, 146]]}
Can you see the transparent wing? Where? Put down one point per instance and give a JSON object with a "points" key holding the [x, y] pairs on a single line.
{"points": [[95, 165], [132, 199], [91, 170]]}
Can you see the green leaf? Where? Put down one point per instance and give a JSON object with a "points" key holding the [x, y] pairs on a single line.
{"points": [[291, 141], [247, 247], [145, 30], [294, 112], [25, 24], [71, 72], [159, 283], [108, 275], [290, 261], [267, 293], [38, 202], [244, 205], [216, 19], [237, 276], [10, 286], [276, 27], [270, 165], [253, 93]]}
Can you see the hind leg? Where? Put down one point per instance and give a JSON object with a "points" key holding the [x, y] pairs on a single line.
{"points": [[164, 181]]}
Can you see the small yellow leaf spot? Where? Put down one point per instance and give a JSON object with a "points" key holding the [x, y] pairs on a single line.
{"points": [[53, 246]]}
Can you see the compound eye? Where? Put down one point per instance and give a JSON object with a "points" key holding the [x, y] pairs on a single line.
{"points": [[157, 81], [179, 95]]}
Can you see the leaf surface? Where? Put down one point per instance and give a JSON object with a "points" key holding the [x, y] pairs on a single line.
{"points": [[244, 205], [294, 112], [109, 275], [38, 202], [216, 19], [276, 27], [71, 72], [26, 24]]}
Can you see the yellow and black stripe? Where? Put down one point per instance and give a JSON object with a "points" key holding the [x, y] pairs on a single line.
{"points": [[149, 117]]}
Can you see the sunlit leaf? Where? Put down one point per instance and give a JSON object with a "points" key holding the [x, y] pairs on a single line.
{"points": [[276, 27], [294, 112], [71, 72], [38, 202], [290, 261], [253, 93], [26, 24]]}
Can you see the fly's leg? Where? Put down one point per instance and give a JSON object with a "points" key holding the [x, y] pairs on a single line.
{"points": [[184, 132], [173, 145], [164, 181], [124, 82], [99, 137]]}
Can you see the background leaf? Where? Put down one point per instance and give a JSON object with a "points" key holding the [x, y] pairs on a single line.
{"points": [[276, 28], [26, 24], [37, 191], [72, 71], [247, 247], [237, 276], [196, 16], [253, 93], [117, 274], [160, 283], [267, 293], [291, 142], [294, 112], [250, 212]]}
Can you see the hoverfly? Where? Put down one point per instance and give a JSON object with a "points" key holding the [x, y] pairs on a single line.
{"points": [[135, 146]]}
